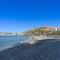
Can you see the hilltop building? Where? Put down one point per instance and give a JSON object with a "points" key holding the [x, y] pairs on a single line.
{"points": [[51, 28]]}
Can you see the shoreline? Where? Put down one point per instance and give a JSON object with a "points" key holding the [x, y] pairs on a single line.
{"points": [[34, 39]]}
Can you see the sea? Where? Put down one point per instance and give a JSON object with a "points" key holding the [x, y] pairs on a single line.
{"points": [[11, 40]]}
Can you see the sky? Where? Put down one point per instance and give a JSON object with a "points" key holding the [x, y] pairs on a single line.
{"points": [[22, 15]]}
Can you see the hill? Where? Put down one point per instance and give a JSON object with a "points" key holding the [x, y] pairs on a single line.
{"points": [[44, 31]]}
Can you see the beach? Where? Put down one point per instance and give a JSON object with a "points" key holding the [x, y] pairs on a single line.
{"points": [[47, 49], [32, 39]]}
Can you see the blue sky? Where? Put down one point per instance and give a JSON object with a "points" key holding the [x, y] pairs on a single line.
{"points": [[22, 15]]}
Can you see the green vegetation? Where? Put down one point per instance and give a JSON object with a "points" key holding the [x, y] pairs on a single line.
{"points": [[42, 31]]}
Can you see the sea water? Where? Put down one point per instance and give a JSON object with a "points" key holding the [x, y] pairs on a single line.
{"points": [[9, 41]]}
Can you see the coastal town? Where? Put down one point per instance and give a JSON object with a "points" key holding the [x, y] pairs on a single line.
{"points": [[36, 31], [46, 30], [11, 33]]}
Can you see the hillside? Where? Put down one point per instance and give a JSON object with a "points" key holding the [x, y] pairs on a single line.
{"points": [[43, 31]]}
